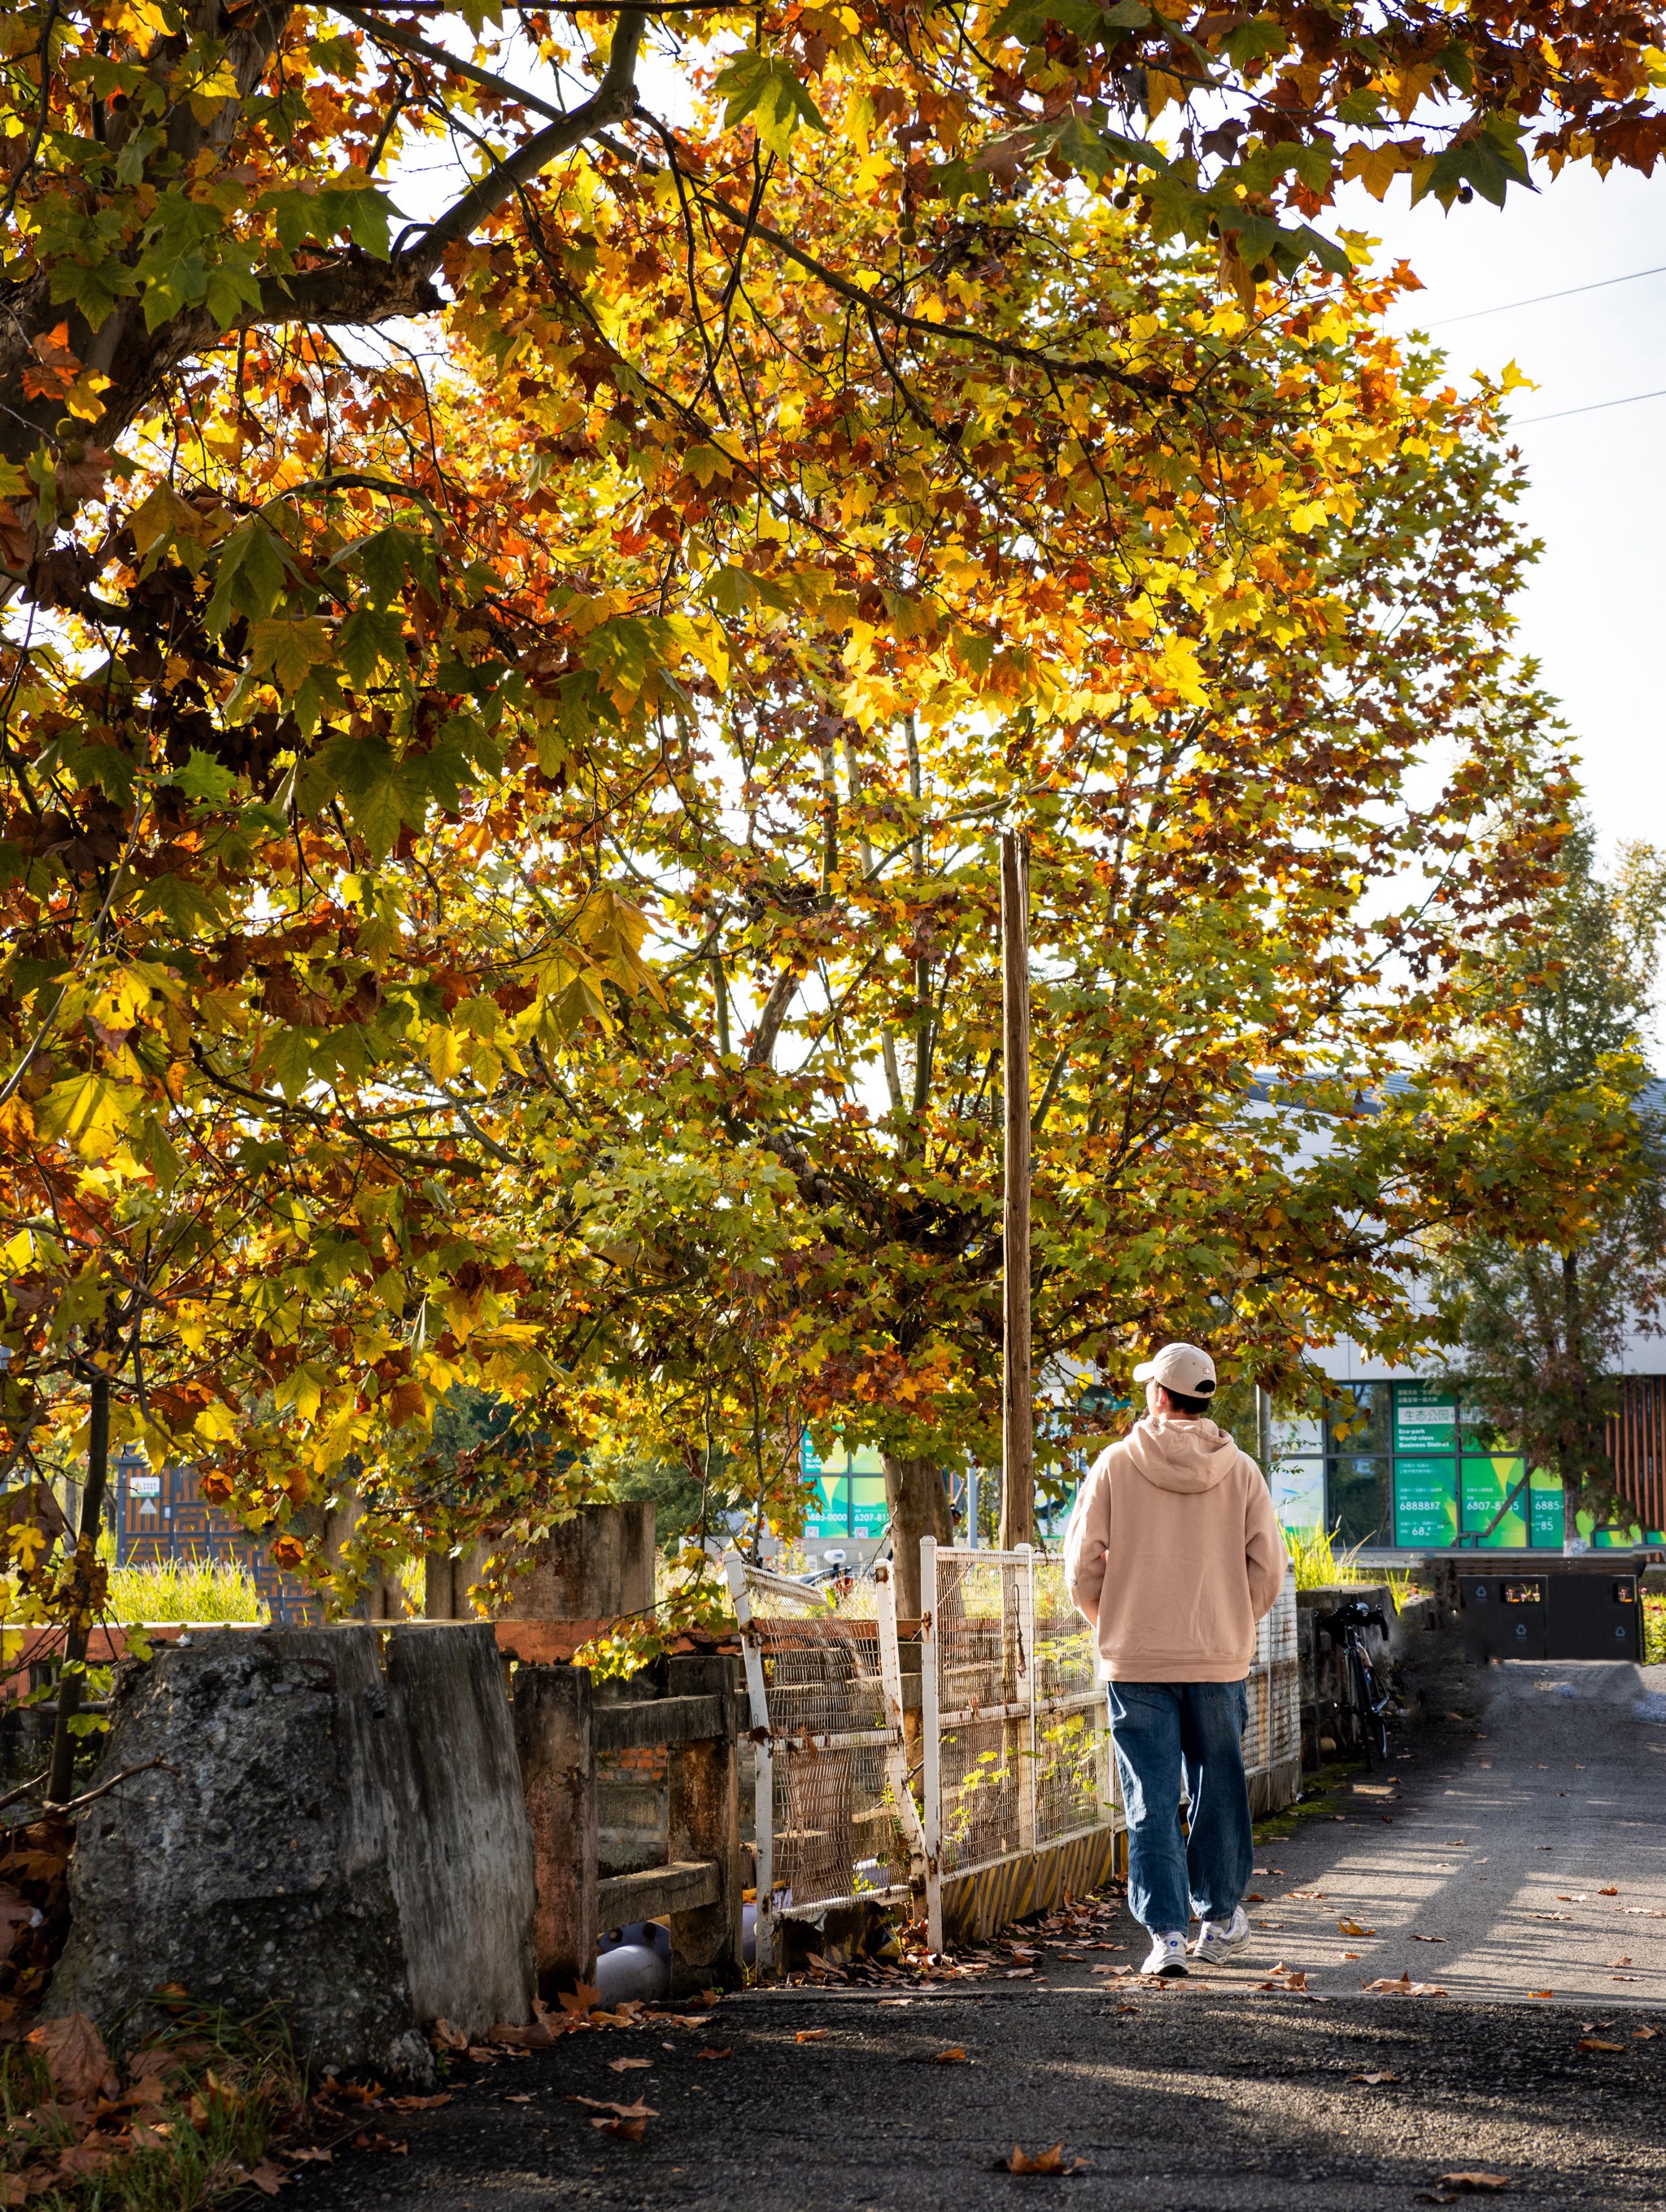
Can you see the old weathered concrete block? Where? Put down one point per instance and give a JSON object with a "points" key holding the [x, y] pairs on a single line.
{"points": [[352, 1845]]}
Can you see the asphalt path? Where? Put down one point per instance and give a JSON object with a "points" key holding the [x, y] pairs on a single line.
{"points": [[1246, 2088]]}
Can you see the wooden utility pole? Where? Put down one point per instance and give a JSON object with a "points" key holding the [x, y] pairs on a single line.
{"points": [[1018, 1458]]}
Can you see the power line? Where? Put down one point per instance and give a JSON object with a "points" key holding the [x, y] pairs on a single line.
{"points": [[1539, 299], [1595, 408]]}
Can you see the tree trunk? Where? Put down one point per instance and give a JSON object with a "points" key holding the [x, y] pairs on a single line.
{"points": [[75, 1653], [919, 1500]]}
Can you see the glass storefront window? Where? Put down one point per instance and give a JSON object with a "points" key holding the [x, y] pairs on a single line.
{"points": [[1359, 1500], [1357, 1418]]}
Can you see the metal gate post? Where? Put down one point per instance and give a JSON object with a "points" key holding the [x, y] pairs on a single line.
{"points": [[931, 1745], [763, 1769]]}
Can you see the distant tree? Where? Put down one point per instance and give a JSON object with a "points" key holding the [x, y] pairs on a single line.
{"points": [[1544, 1315]]}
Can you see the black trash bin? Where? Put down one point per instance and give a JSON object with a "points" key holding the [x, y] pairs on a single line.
{"points": [[1589, 1611]]}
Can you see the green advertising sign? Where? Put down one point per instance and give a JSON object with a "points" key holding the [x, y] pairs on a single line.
{"points": [[1425, 1419], [829, 1511], [1544, 1492], [1486, 1484], [1426, 1502]]}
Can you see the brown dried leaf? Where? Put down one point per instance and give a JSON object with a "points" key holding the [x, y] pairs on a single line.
{"points": [[1610, 1891], [1643, 2034], [1373, 2081], [1595, 2043], [268, 2179], [420, 2103], [639, 2110], [446, 2037], [812, 2035], [580, 1998], [712, 2051], [627, 2065], [1045, 2161], [1474, 2178], [624, 2131], [74, 2050], [954, 2056], [1352, 1928], [521, 2098]]}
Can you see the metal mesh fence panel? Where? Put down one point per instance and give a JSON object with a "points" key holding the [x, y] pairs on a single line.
{"points": [[835, 1830]]}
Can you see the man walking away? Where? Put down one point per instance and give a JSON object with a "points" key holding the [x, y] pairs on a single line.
{"points": [[1172, 1555]]}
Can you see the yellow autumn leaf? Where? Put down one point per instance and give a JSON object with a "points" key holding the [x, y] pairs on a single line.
{"points": [[90, 1113]]}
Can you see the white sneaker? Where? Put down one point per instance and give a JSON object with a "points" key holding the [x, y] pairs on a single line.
{"points": [[1167, 1955], [1218, 1937]]}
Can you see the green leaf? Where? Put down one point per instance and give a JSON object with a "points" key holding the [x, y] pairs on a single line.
{"points": [[756, 83], [204, 779], [249, 574], [368, 638], [230, 289]]}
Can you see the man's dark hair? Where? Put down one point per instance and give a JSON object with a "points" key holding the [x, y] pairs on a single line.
{"points": [[1180, 1403]]}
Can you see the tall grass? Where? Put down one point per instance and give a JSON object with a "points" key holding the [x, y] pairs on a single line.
{"points": [[185, 1589], [1320, 1565]]}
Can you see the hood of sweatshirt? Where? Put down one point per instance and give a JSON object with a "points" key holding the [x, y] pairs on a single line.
{"points": [[1185, 1456]]}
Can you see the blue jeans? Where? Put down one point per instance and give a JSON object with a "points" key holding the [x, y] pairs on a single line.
{"points": [[1161, 1731]]}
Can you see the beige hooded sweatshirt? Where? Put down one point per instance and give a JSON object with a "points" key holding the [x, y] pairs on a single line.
{"points": [[1173, 1554]]}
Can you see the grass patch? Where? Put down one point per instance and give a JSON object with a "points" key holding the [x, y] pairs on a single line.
{"points": [[1654, 1628], [188, 2129], [185, 1589]]}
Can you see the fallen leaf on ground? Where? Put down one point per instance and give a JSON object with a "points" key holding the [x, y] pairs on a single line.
{"points": [[1254, 1896], [1476, 2178], [1372, 2080], [1304, 1893], [520, 2097], [727, 2052], [623, 2130], [1610, 1891], [1434, 2197], [74, 2051], [420, 2103], [477, 2055], [954, 2056], [1441, 1939], [365, 2140], [535, 2036], [307, 2153], [627, 2065], [1044, 2161], [448, 2037], [1352, 1928], [1578, 1896], [1404, 1987], [639, 2110], [811, 2035], [1595, 2043], [582, 1997], [268, 2179], [1644, 2033], [1541, 1993]]}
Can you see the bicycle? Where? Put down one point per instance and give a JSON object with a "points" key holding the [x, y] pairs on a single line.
{"points": [[1347, 1628]]}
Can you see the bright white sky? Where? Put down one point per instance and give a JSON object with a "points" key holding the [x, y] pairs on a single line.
{"points": [[1592, 614]]}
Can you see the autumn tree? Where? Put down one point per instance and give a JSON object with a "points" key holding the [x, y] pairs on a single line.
{"points": [[346, 702], [1545, 1311]]}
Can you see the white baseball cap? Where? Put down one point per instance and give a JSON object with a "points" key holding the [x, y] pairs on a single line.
{"points": [[1183, 1367]]}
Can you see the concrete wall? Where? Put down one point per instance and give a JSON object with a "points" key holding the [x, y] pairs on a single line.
{"points": [[348, 1841]]}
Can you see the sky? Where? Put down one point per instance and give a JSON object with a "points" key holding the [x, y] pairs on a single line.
{"points": [[1592, 614]]}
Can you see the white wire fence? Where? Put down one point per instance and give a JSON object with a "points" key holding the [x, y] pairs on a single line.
{"points": [[888, 1765]]}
